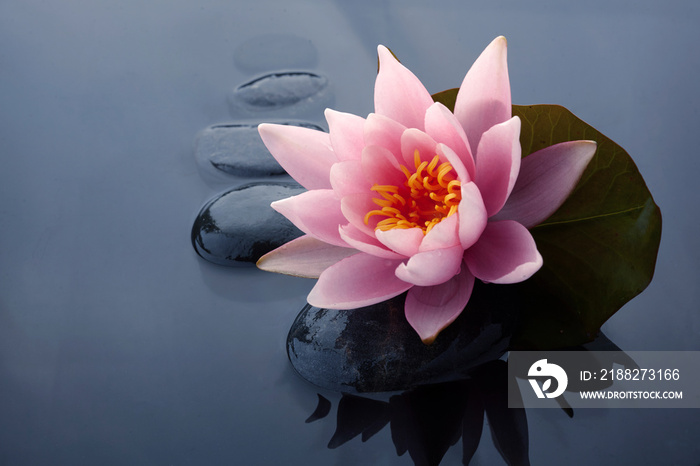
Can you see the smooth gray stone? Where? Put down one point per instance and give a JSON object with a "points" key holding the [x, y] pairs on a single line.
{"points": [[239, 226], [374, 349], [275, 51], [296, 91], [236, 149]]}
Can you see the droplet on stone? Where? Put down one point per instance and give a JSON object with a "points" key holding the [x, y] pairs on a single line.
{"points": [[275, 51], [374, 349], [239, 226], [237, 149], [297, 91]]}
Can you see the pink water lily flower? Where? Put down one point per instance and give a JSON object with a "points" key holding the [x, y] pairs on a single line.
{"points": [[417, 198]]}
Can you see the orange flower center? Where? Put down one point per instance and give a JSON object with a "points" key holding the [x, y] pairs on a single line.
{"points": [[430, 193]]}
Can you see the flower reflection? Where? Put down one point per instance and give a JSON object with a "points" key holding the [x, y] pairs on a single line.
{"points": [[427, 421]]}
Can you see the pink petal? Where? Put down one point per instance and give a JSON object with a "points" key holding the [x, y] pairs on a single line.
{"points": [[303, 257], [443, 235], [431, 267], [443, 126], [346, 134], [355, 207], [472, 215], [498, 163], [369, 244], [415, 140], [385, 132], [448, 155], [317, 213], [483, 99], [305, 154], [546, 179], [380, 167], [348, 178], [403, 241], [431, 309], [505, 253], [357, 281], [398, 93]]}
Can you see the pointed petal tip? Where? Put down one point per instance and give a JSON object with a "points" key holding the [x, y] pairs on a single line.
{"points": [[499, 42], [429, 340], [384, 50], [593, 144], [261, 262], [330, 112], [505, 254], [384, 53], [269, 262], [304, 257], [398, 93], [264, 128], [270, 128], [428, 337], [429, 310], [279, 204], [547, 178], [590, 149], [484, 97]]}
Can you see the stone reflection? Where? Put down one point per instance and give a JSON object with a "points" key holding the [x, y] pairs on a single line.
{"points": [[427, 421]]}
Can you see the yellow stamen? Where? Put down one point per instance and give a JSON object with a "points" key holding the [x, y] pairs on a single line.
{"points": [[385, 187], [431, 166], [399, 198], [382, 202], [430, 193]]}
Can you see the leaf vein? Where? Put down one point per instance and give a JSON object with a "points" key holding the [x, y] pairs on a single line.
{"points": [[593, 217]]}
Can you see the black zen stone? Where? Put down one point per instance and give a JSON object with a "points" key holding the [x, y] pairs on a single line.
{"points": [[374, 349], [239, 225], [237, 149]]}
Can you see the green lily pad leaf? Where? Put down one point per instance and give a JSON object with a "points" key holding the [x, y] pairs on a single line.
{"points": [[599, 248]]}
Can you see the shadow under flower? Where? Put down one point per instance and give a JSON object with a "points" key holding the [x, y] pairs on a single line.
{"points": [[428, 420]]}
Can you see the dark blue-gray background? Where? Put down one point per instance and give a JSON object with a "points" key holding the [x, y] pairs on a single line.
{"points": [[118, 345]]}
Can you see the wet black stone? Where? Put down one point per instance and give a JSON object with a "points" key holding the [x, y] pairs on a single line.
{"points": [[299, 89], [237, 149], [239, 226], [374, 349]]}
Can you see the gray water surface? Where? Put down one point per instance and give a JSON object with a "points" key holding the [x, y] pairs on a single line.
{"points": [[119, 345]]}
